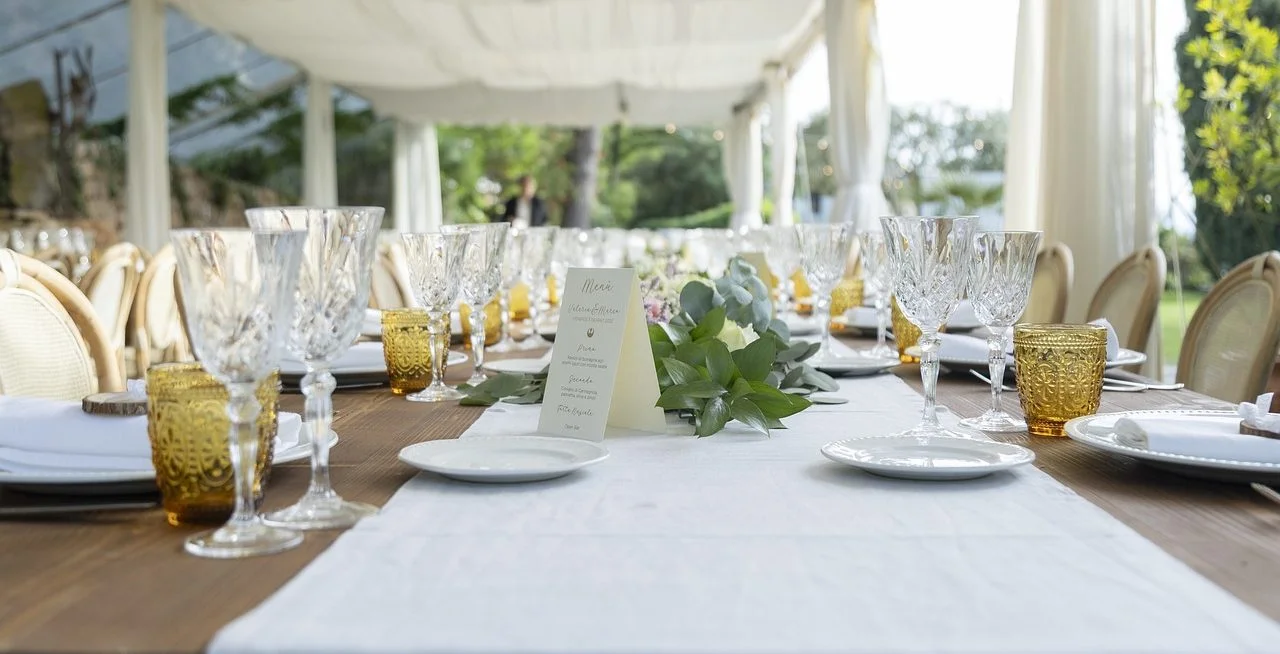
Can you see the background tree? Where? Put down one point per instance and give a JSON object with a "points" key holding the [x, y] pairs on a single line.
{"points": [[1229, 99]]}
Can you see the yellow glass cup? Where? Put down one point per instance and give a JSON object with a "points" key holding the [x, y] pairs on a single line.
{"points": [[406, 346], [1059, 370], [905, 333], [492, 323], [188, 426], [847, 295]]}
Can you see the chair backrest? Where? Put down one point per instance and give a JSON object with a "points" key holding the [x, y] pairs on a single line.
{"points": [[1050, 285], [1230, 346], [1129, 297], [111, 284], [157, 321], [387, 292], [51, 342]]}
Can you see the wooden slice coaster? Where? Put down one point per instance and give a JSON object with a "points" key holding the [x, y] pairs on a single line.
{"points": [[115, 404], [1246, 428]]}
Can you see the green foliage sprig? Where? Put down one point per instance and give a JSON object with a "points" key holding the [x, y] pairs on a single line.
{"points": [[707, 369]]}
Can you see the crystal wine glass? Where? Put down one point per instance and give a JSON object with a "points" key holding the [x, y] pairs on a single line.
{"points": [[566, 253], [999, 283], [330, 298], [435, 261], [237, 292], [535, 266], [782, 252], [508, 270], [930, 258], [481, 276], [824, 251], [877, 281]]}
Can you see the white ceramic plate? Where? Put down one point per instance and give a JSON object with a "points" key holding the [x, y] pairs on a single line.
{"points": [[55, 481], [855, 366], [504, 459], [1087, 431], [517, 366], [941, 459]]}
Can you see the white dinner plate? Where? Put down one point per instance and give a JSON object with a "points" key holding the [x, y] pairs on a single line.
{"points": [[855, 365], [1087, 431], [504, 459], [939, 459], [517, 366], [55, 481]]}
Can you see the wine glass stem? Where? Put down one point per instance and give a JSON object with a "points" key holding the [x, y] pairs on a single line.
{"points": [[477, 336], [882, 319], [928, 343], [504, 315], [317, 386], [535, 298], [996, 362], [438, 355], [243, 410], [822, 310]]}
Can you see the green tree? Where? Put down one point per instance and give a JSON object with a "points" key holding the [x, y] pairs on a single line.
{"points": [[676, 174], [1229, 99]]}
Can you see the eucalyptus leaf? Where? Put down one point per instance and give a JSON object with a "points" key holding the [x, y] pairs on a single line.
{"points": [[740, 295], [745, 411], [792, 377], [813, 349], [794, 352], [774, 378], [696, 299], [780, 328], [478, 399], [819, 380]]}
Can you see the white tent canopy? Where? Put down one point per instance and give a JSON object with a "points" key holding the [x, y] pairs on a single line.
{"points": [[562, 62]]}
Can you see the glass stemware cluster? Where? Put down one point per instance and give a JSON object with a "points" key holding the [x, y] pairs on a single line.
{"points": [[934, 261], [825, 250], [298, 278]]}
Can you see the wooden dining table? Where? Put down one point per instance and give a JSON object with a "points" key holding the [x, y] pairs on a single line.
{"points": [[120, 581]]}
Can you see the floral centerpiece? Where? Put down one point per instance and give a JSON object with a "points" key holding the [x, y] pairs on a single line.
{"points": [[720, 356]]}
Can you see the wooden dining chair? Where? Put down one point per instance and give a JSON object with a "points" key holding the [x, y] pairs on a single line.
{"points": [[1050, 285], [387, 292], [111, 285], [158, 331], [1129, 297], [1231, 342], [52, 344]]}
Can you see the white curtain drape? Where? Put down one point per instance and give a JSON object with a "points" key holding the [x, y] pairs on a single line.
{"points": [[744, 167], [319, 146], [400, 179], [426, 210], [859, 118], [1081, 133], [147, 219], [783, 153]]}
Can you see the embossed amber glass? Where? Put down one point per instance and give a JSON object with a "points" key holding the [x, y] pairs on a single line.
{"points": [[905, 333], [1059, 373], [406, 345], [492, 323], [188, 426], [847, 295]]}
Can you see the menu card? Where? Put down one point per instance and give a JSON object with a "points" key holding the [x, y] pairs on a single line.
{"points": [[601, 370]]}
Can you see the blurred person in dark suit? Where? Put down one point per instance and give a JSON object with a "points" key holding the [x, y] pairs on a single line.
{"points": [[526, 209]]}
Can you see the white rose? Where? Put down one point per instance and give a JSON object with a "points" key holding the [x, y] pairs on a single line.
{"points": [[735, 337]]}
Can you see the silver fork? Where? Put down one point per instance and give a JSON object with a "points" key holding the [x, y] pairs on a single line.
{"points": [[1266, 492], [1106, 387], [1145, 387]]}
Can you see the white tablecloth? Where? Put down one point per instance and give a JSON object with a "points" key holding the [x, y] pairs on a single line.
{"points": [[739, 543]]}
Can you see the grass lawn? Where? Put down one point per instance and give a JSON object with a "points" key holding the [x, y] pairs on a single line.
{"points": [[1173, 322]]}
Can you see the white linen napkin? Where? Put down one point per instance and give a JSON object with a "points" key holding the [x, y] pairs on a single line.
{"points": [[372, 323], [40, 434], [1203, 436], [1113, 341], [1258, 414], [963, 347], [861, 317], [964, 316], [361, 357]]}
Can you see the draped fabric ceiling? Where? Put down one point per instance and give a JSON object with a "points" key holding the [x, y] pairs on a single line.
{"points": [[560, 62]]}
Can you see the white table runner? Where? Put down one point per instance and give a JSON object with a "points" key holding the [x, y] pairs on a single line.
{"points": [[738, 543]]}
